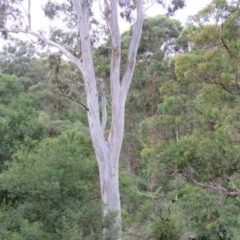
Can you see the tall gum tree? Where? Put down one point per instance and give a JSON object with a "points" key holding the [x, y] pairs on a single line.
{"points": [[107, 149]]}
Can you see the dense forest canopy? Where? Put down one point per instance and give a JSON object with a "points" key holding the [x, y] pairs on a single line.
{"points": [[179, 165]]}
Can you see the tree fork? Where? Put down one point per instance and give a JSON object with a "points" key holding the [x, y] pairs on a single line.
{"points": [[107, 151]]}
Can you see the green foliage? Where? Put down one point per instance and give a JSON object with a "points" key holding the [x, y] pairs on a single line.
{"points": [[195, 132], [154, 68], [45, 99], [57, 112], [19, 127], [56, 188], [10, 87], [163, 230], [15, 227], [188, 106], [21, 59], [210, 217]]}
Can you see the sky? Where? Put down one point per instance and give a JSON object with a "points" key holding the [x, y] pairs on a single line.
{"points": [[192, 7], [39, 23]]}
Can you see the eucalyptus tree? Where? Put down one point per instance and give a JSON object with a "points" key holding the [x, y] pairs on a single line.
{"points": [[196, 132], [76, 43], [154, 67]]}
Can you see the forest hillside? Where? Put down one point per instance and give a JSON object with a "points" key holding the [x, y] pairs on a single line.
{"points": [[180, 159]]}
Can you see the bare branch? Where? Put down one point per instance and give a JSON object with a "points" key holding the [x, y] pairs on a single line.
{"points": [[117, 123], [146, 214], [71, 98], [215, 187], [209, 186], [220, 84], [145, 9], [29, 16], [235, 62], [23, 9], [116, 50], [132, 52], [87, 69], [154, 210], [227, 48], [32, 43], [24, 12], [137, 236], [81, 7], [48, 41]]}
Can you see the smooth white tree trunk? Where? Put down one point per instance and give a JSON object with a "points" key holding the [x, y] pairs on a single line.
{"points": [[108, 153], [108, 150], [109, 182]]}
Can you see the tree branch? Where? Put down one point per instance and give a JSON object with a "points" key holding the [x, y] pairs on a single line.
{"points": [[145, 9], [48, 41], [71, 98], [116, 51], [227, 48], [222, 85], [81, 7], [235, 62], [117, 123], [24, 12], [214, 187], [132, 51], [137, 236], [146, 214], [87, 69], [29, 16]]}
